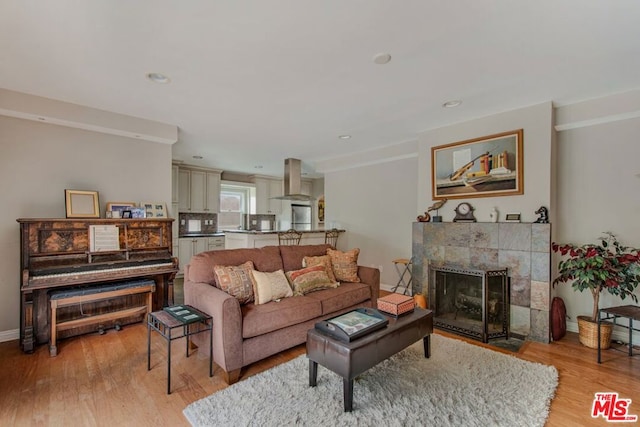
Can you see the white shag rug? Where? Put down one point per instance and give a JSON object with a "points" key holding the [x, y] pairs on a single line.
{"points": [[460, 385]]}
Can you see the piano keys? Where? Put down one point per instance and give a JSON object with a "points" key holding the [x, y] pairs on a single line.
{"points": [[55, 255]]}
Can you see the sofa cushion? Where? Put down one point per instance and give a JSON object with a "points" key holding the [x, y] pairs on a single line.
{"points": [[310, 279], [325, 260], [270, 286], [274, 315], [292, 255], [347, 295], [264, 259], [345, 264], [237, 281]]}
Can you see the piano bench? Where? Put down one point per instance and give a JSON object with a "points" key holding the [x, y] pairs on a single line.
{"points": [[67, 297]]}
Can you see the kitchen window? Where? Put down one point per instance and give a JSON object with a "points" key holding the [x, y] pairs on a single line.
{"points": [[235, 201]]}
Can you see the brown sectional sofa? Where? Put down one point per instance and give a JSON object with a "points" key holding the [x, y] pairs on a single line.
{"points": [[244, 334]]}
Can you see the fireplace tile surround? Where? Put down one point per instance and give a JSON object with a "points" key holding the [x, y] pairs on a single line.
{"points": [[523, 248]]}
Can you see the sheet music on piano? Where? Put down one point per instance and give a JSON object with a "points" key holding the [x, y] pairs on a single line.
{"points": [[103, 238]]}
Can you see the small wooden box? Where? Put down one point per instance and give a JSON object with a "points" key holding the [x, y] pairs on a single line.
{"points": [[396, 304]]}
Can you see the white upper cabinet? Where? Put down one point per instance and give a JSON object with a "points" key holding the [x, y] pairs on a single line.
{"points": [[198, 190], [175, 189], [266, 189]]}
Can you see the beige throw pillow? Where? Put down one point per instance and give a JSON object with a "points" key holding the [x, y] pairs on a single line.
{"points": [[325, 260], [345, 264], [237, 281], [270, 286]]}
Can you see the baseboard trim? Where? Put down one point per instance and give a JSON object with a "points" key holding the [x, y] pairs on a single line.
{"points": [[9, 335]]}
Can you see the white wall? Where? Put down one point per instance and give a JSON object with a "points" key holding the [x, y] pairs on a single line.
{"points": [[38, 161], [376, 204]]}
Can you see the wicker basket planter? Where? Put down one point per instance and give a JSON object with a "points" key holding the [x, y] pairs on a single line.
{"points": [[588, 333]]}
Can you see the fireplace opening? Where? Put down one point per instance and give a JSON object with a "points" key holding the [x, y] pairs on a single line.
{"points": [[471, 302]]}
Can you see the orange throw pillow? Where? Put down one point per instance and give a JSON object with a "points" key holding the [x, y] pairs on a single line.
{"points": [[345, 264]]}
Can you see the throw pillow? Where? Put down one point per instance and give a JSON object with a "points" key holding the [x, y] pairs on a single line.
{"points": [[237, 281], [270, 286], [345, 264], [325, 260], [310, 279]]}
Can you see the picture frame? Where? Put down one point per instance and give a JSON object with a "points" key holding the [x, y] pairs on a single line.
{"points": [[512, 217], [120, 206], [126, 214], [81, 204], [155, 209], [489, 166]]}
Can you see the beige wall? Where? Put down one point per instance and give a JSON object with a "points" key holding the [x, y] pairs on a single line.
{"points": [[598, 183], [536, 121], [38, 161]]}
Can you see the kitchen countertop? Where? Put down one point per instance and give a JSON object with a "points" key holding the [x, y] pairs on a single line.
{"points": [[201, 235], [277, 231]]}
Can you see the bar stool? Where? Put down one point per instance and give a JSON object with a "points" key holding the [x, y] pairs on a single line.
{"points": [[403, 267]]}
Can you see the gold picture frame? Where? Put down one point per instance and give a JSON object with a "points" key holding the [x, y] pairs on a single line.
{"points": [[81, 204], [489, 166]]}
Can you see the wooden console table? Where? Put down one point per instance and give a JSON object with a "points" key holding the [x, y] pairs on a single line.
{"points": [[631, 312]]}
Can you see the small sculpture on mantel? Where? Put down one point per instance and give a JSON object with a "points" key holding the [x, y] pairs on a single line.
{"points": [[435, 207], [543, 217], [424, 218]]}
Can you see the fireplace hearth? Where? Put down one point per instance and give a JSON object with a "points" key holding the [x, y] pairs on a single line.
{"points": [[470, 301]]}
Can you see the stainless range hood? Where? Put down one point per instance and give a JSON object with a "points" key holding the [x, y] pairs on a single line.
{"points": [[293, 181]]}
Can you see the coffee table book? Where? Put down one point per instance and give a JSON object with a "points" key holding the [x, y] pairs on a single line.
{"points": [[353, 325], [185, 313]]}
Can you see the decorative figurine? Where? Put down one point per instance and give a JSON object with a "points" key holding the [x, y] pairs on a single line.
{"points": [[437, 205], [544, 215], [424, 218], [493, 215]]}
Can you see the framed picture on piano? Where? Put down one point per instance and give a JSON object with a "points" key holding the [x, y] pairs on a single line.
{"points": [[81, 204]]}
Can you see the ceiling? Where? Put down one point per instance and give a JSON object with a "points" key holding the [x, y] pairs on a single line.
{"points": [[254, 82]]}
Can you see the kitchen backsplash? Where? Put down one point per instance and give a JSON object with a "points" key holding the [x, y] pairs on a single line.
{"points": [[197, 223], [260, 222]]}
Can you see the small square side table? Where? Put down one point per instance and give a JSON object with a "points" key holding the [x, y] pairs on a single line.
{"points": [[631, 312], [187, 321]]}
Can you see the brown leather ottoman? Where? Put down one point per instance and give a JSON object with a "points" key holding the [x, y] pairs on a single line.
{"points": [[350, 359]]}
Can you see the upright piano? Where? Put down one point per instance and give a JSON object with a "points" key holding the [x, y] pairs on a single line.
{"points": [[55, 254]]}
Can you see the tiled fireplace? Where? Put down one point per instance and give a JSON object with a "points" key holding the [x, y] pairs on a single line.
{"points": [[522, 248]]}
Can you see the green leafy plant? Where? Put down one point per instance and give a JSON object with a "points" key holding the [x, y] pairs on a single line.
{"points": [[607, 265]]}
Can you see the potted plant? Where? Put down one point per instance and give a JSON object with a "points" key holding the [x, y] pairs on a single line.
{"points": [[607, 265]]}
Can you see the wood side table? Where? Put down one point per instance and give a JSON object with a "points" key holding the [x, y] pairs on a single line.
{"points": [[631, 312], [187, 321]]}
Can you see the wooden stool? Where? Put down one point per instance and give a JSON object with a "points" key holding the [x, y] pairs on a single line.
{"points": [[403, 266]]}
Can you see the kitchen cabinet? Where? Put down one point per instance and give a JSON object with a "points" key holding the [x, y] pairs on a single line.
{"points": [[198, 190], [174, 183], [306, 187], [188, 247], [266, 189], [184, 190], [216, 243]]}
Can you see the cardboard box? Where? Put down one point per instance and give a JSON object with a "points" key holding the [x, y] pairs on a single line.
{"points": [[396, 304]]}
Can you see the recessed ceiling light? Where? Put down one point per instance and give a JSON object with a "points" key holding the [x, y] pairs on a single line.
{"points": [[158, 78], [381, 58], [198, 157], [452, 104], [344, 136]]}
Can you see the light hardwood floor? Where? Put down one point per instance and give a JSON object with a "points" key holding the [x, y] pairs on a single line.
{"points": [[102, 380]]}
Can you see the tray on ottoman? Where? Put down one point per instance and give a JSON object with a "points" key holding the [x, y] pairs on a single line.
{"points": [[396, 304]]}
